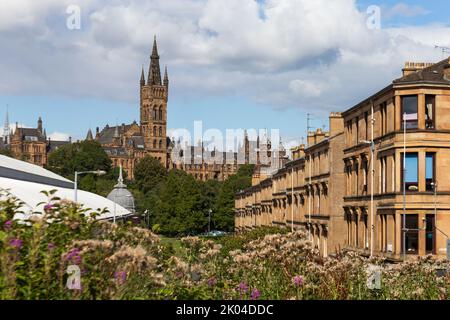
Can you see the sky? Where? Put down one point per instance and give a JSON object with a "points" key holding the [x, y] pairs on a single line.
{"points": [[232, 63]]}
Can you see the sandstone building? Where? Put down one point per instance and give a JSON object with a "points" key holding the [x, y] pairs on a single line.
{"points": [[326, 188], [126, 144]]}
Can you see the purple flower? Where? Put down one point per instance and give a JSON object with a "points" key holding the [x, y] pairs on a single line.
{"points": [[8, 225], [51, 246], [255, 294], [73, 256], [16, 244], [297, 281], [121, 276], [212, 282], [48, 207], [243, 287]]}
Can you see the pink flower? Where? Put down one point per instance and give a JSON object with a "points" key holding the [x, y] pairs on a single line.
{"points": [[255, 294], [16, 244], [121, 276], [212, 282], [48, 207], [297, 281], [8, 225]]}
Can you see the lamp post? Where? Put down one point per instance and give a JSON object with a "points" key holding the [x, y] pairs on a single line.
{"points": [[209, 220], [97, 173]]}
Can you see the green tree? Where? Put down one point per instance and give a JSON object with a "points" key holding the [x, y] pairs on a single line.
{"points": [[223, 215], [182, 207], [80, 156], [6, 152], [148, 174]]}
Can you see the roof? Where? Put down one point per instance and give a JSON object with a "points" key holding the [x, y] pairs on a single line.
{"points": [[433, 74], [21, 170], [31, 132], [54, 145], [25, 181], [106, 136], [34, 200]]}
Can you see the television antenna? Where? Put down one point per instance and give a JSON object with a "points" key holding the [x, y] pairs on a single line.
{"points": [[444, 50]]}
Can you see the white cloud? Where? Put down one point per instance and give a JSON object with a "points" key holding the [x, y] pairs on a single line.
{"points": [[284, 53], [59, 136]]}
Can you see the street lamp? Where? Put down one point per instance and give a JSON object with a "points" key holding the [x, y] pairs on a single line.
{"points": [[97, 173]]}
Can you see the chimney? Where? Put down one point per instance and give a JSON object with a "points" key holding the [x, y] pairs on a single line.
{"points": [[411, 67], [311, 138], [336, 123], [319, 136], [447, 70]]}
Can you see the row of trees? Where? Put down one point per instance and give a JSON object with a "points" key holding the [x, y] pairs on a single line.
{"points": [[172, 202]]}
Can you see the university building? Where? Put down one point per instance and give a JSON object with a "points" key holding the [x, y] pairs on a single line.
{"points": [[126, 144], [327, 187]]}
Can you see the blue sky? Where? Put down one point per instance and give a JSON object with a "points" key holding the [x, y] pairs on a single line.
{"points": [[228, 77]]}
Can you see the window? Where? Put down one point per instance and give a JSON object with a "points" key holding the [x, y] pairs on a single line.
{"points": [[383, 109], [160, 131], [160, 144], [154, 131], [409, 112], [154, 144], [160, 114], [357, 129], [412, 233], [430, 171], [366, 175], [410, 174], [154, 114], [366, 124], [430, 101]]}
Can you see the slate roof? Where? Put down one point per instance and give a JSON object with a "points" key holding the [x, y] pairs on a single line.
{"points": [[433, 74], [106, 136], [31, 132], [53, 145]]}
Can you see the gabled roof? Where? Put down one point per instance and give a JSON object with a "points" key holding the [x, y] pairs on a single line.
{"points": [[30, 132], [106, 136]]}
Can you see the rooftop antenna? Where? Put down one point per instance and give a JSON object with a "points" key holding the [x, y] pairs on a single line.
{"points": [[308, 124], [444, 50]]}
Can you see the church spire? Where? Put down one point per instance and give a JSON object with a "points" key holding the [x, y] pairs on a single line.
{"points": [[166, 78], [142, 77], [154, 73], [89, 136], [6, 131]]}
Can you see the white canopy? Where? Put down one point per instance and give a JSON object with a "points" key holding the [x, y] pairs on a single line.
{"points": [[22, 180]]}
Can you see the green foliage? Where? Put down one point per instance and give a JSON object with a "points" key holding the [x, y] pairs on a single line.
{"points": [[224, 208], [80, 156], [6, 152], [148, 174]]}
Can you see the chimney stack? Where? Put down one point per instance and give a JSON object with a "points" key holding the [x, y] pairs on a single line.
{"points": [[336, 123], [411, 67]]}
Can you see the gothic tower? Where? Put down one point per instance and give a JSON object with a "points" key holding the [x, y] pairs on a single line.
{"points": [[153, 108]]}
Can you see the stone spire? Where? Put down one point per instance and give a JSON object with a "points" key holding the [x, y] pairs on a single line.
{"points": [[166, 78], [89, 136], [40, 125], [154, 73], [142, 77], [6, 130]]}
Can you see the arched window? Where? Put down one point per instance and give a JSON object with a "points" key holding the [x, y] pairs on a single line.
{"points": [[154, 131], [160, 131], [154, 144], [160, 113], [154, 113], [160, 144]]}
